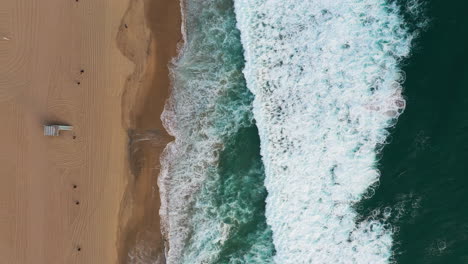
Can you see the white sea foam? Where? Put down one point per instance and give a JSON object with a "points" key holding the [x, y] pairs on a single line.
{"points": [[326, 81], [198, 115]]}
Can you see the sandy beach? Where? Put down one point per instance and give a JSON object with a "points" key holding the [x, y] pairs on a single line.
{"points": [[90, 195], [158, 23]]}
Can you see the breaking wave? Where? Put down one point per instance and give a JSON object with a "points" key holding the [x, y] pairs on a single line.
{"points": [[327, 84], [211, 182]]}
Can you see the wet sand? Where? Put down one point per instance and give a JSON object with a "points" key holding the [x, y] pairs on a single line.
{"points": [[147, 89], [90, 195]]}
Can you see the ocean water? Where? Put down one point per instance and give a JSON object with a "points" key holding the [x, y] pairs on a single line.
{"points": [[318, 132], [212, 191], [423, 168], [327, 84]]}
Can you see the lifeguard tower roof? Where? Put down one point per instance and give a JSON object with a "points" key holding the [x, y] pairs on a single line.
{"points": [[54, 130]]}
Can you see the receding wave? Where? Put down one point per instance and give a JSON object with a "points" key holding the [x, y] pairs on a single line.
{"points": [[327, 84], [213, 195]]}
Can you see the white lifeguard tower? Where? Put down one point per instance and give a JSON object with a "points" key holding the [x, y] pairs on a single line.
{"points": [[54, 130]]}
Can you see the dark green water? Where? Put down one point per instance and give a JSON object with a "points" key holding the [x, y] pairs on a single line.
{"points": [[425, 166], [240, 186]]}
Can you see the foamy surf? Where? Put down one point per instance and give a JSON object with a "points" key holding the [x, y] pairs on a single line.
{"points": [[327, 84], [208, 213]]}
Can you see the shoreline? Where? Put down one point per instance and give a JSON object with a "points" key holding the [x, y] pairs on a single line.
{"points": [[89, 195], [149, 35]]}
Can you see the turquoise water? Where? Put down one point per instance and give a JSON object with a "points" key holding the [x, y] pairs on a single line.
{"points": [[213, 197], [318, 132]]}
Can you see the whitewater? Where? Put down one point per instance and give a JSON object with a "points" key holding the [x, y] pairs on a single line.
{"points": [[326, 81], [211, 181]]}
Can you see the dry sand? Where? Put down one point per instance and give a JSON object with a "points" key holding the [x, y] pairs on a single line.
{"points": [[88, 196]]}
